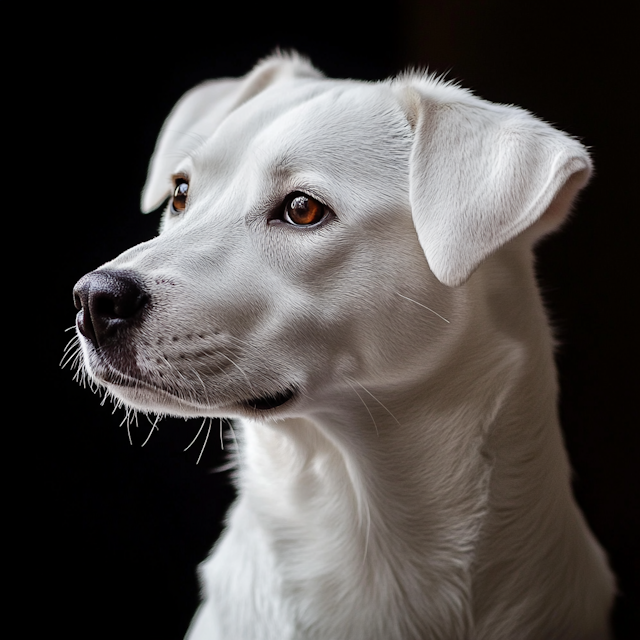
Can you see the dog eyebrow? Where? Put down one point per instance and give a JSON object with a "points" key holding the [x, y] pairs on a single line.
{"points": [[282, 168]]}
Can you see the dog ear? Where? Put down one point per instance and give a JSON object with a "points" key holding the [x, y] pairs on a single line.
{"points": [[481, 174], [201, 110]]}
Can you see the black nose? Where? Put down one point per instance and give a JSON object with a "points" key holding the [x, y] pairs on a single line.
{"points": [[107, 302]]}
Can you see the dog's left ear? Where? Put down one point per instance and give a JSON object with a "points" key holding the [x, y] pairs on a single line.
{"points": [[481, 174], [200, 112]]}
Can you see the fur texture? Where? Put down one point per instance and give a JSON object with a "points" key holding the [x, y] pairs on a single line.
{"points": [[410, 479]]}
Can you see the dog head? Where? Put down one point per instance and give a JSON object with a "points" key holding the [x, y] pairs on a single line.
{"points": [[319, 233]]}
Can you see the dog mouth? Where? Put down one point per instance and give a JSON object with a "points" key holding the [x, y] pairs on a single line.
{"points": [[267, 402], [117, 375]]}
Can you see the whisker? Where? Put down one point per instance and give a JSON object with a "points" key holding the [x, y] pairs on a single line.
{"points": [[232, 461], [72, 341], [366, 407], [256, 355], [366, 539], [197, 434], [205, 442], [72, 356], [378, 401], [77, 364], [154, 427], [131, 415], [238, 368], [204, 389], [71, 349], [424, 306], [188, 392]]}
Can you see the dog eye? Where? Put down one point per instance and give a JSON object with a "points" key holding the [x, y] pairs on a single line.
{"points": [[302, 210], [180, 193]]}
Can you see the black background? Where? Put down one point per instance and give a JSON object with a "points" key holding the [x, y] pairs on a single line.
{"points": [[113, 532]]}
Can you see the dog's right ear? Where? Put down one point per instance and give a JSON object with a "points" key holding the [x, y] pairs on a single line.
{"points": [[482, 174], [201, 110]]}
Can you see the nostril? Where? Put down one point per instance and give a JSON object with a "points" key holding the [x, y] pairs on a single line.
{"points": [[130, 299], [103, 304], [121, 303], [107, 302]]}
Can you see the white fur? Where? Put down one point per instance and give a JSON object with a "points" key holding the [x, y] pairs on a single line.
{"points": [[417, 485]]}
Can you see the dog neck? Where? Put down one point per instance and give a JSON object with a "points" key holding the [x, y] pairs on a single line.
{"points": [[441, 489]]}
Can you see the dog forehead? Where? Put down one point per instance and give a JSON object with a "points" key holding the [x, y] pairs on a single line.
{"points": [[314, 109], [337, 132]]}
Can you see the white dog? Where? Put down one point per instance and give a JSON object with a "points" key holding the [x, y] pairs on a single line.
{"points": [[346, 268]]}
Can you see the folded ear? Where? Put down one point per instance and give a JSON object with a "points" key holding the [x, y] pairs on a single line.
{"points": [[201, 110], [482, 173]]}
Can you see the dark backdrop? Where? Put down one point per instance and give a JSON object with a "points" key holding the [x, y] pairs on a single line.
{"points": [[115, 531]]}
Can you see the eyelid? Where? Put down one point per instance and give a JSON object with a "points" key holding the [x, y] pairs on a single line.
{"points": [[310, 192], [176, 180]]}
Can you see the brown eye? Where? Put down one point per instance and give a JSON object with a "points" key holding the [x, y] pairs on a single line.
{"points": [[303, 211], [180, 193]]}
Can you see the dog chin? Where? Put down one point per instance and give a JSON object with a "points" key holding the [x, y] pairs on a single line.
{"points": [[137, 393], [152, 400], [146, 397], [149, 399], [143, 395]]}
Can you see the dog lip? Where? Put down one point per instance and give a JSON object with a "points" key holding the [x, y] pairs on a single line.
{"points": [[107, 373], [272, 401]]}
